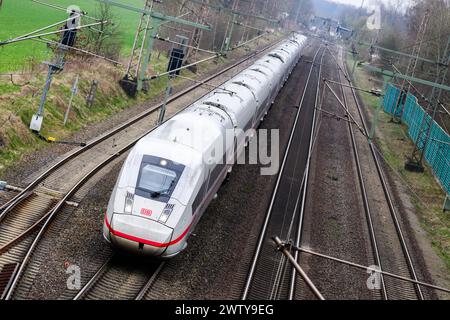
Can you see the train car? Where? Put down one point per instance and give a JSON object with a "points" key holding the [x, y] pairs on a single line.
{"points": [[172, 174]]}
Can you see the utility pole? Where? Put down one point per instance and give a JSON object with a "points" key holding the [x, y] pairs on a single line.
{"points": [[90, 98], [68, 40], [133, 81], [415, 162], [229, 35], [176, 57], [297, 13], [233, 20], [198, 33], [137, 50], [68, 36], [73, 91], [246, 32], [230, 26], [411, 70]]}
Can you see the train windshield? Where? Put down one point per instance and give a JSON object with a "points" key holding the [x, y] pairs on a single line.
{"points": [[158, 178]]}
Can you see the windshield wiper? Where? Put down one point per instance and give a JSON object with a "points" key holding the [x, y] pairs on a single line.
{"points": [[155, 194]]}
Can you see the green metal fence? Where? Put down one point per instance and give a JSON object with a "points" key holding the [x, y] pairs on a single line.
{"points": [[437, 149]]}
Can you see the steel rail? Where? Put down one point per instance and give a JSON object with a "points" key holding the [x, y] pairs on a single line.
{"points": [[8, 206], [150, 282], [363, 189], [272, 201], [94, 279], [305, 184], [52, 214], [108, 265], [386, 191]]}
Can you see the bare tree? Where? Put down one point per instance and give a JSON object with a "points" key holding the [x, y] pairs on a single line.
{"points": [[105, 40]]}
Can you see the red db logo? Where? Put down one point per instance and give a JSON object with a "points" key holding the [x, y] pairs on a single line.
{"points": [[146, 212]]}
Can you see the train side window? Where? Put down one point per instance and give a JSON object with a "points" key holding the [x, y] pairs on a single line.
{"points": [[198, 198], [239, 83], [215, 104], [275, 55], [258, 70], [216, 171], [250, 76]]}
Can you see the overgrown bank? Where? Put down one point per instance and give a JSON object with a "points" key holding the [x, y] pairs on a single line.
{"points": [[19, 100]]}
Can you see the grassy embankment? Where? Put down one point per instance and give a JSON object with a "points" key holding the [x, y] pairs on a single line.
{"points": [[395, 145], [19, 100]]}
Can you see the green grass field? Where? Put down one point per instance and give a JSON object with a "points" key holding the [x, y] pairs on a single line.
{"points": [[18, 17]]}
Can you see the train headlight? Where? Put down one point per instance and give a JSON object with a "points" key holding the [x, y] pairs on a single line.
{"points": [[166, 213], [129, 199]]}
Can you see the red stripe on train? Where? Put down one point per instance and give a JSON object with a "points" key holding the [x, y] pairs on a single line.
{"points": [[145, 241]]}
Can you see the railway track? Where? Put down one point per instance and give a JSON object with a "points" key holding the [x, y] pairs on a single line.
{"points": [[271, 276], [25, 219], [121, 278], [388, 241], [269, 273], [388, 244]]}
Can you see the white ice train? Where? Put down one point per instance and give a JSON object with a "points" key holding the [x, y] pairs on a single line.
{"points": [[165, 185]]}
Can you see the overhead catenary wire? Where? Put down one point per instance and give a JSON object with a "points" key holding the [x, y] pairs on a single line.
{"points": [[181, 68], [346, 111], [203, 83], [375, 150], [79, 50], [360, 266], [417, 90], [157, 37], [49, 33], [363, 189], [318, 101], [42, 29], [84, 14], [268, 216]]}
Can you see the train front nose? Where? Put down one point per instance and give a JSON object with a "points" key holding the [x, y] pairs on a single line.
{"points": [[139, 235]]}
